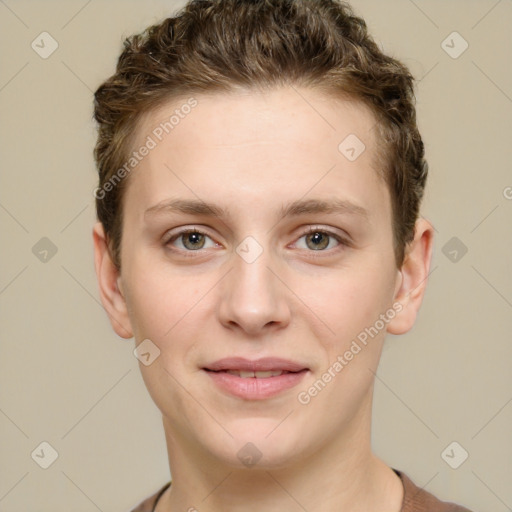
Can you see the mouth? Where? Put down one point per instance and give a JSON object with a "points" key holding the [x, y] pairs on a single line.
{"points": [[255, 379]]}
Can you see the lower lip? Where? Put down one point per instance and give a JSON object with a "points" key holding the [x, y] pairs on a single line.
{"points": [[253, 388]]}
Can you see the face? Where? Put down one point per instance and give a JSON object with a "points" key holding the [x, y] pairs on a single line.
{"points": [[252, 242]]}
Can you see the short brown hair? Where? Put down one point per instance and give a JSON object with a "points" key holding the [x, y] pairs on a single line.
{"points": [[221, 45]]}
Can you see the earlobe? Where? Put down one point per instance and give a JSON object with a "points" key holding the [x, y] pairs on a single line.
{"points": [[109, 281], [413, 278]]}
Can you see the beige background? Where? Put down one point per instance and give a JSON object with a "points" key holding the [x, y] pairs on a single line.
{"points": [[67, 379]]}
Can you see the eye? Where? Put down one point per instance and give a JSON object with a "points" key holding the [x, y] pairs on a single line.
{"points": [[191, 240], [320, 239]]}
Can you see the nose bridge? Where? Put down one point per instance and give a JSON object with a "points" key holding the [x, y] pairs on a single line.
{"points": [[252, 296]]}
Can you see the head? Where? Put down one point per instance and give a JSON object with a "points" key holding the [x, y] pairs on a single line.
{"points": [[264, 114]]}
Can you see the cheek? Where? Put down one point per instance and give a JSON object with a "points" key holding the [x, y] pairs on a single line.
{"points": [[162, 309], [350, 305], [159, 301], [348, 301]]}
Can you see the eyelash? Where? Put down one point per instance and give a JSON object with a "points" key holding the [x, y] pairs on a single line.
{"points": [[190, 253]]}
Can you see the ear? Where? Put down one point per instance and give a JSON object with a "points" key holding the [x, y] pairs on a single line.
{"points": [[412, 278], [109, 284]]}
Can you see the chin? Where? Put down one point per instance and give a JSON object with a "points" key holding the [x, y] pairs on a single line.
{"points": [[261, 444]]}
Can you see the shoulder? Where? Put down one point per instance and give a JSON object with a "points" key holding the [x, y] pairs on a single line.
{"points": [[148, 505], [419, 500]]}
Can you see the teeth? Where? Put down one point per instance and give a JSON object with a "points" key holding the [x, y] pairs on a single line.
{"points": [[258, 375], [263, 375]]}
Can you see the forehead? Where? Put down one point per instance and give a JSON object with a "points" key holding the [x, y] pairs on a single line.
{"points": [[251, 117], [249, 144]]}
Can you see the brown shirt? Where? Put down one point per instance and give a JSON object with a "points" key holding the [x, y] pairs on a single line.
{"points": [[415, 500]]}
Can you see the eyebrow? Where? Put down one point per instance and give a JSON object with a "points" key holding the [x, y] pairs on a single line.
{"points": [[296, 208]]}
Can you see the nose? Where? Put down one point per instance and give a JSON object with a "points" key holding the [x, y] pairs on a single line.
{"points": [[253, 296]]}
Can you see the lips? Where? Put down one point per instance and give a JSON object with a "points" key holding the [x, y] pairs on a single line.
{"points": [[255, 380]]}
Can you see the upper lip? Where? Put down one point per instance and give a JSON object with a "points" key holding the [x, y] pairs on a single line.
{"points": [[264, 364]]}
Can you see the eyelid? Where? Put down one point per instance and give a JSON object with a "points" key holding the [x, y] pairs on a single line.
{"points": [[344, 237], [170, 235]]}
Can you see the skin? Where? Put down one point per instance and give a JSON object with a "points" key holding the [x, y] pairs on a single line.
{"points": [[251, 153]]}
